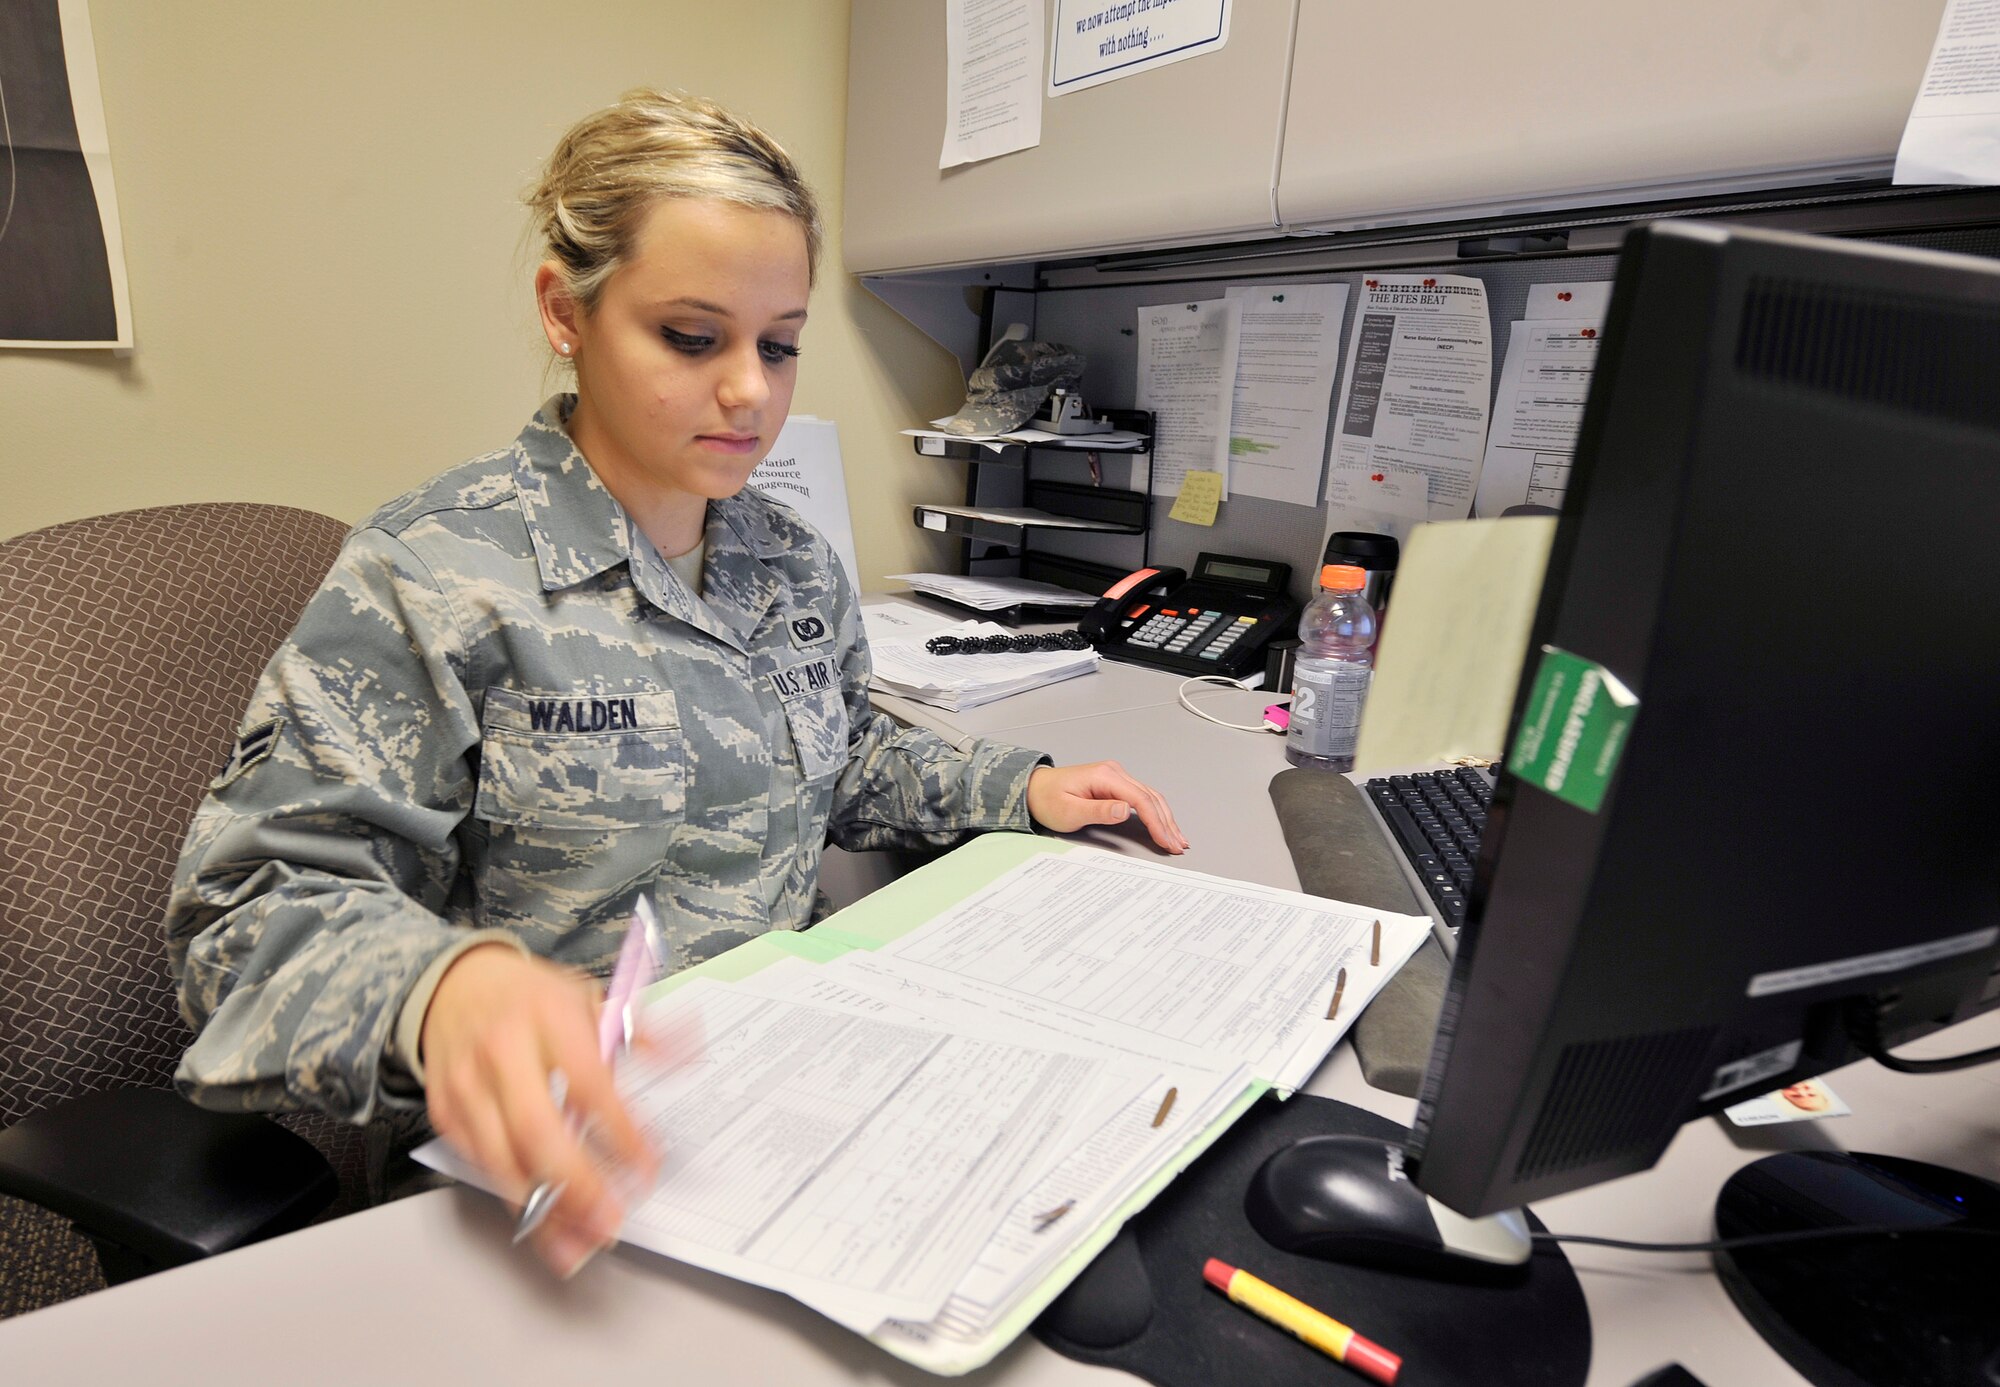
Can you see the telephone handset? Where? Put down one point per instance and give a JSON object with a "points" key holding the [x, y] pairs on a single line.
{"points": [[1216, 622], [1100, 621]]}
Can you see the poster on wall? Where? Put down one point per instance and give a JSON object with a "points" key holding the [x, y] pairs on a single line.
{"points": [[993, 56], [62, 259], [1098, 41]]}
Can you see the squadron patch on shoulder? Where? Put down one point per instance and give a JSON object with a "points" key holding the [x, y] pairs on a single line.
{"points": [[809, 630], [253, 746]]}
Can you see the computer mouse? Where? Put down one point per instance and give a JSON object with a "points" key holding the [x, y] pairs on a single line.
{"points": [[1348, 1199]]}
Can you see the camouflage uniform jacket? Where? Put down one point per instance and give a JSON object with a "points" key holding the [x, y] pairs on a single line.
{"points": [[502, 711]]}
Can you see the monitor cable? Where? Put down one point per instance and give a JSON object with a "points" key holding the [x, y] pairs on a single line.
{"points": [[1865, 1031], [1765, 1239]]}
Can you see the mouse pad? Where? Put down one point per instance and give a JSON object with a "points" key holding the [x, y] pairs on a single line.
{"points": [[1143, 1306]]}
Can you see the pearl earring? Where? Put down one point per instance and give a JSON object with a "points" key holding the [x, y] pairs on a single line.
{"points": [[563, 347]]}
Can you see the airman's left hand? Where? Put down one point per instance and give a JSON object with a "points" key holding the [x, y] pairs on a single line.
{"points": [[1066, 798]]}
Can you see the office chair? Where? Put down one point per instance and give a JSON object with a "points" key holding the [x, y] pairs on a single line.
{"points": [[129, 646]]}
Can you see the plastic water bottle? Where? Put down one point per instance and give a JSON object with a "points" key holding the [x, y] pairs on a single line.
{"points": [[1331, 673]]}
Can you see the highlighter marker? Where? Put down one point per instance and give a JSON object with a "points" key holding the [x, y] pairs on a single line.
{"points": [[1295, 1317]]}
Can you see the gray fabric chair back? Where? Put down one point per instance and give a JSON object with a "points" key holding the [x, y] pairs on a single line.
{"points": [[129, 646]]}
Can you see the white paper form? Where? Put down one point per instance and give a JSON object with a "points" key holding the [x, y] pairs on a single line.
{"points": [[1099, 1175], [1120, 1151], [1543, 385], [1418, 386], [993, 65], [854, 1162], [1288, 354], [1219, 964], [1953, 133], [1187, 375], [803, 470], [1113, 1148]]}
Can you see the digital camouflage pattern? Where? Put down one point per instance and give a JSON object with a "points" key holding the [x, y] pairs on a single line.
{"points": [[503, 711]]}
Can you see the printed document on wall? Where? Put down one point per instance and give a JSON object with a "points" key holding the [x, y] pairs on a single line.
{"points": [[1287, 353], [1953, 133], [1537, 413], [803, 470], [1096, 41], [1187, 374], [1539, 406], [993, 61], [1419, 382]]}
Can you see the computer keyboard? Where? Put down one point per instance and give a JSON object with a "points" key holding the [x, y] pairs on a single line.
{"points": [[1436, 818]]}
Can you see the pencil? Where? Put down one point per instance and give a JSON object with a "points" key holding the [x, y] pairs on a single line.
{"points": [[1339, 986]]}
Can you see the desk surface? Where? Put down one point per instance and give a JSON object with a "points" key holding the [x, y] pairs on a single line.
{"points": [[428, 1289]]}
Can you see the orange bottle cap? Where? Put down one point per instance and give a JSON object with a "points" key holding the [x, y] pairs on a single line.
{"points": [[1343, 577]]}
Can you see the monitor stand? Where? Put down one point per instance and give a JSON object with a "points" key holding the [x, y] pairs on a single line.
{"points": [[1867, 1311]]}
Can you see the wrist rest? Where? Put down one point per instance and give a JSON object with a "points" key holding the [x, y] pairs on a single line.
{"points": [[1341, 853]]}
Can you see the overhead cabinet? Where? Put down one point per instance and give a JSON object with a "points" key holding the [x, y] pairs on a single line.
{"points": [[1185, 152], [1335, 114], [1434, 110]]}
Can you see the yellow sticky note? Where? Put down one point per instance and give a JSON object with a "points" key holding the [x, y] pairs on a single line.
{"points": [[1201, 493]]}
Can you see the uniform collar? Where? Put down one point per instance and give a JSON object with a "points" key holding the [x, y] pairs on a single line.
{"points": [[579, 530], [577, 527]]}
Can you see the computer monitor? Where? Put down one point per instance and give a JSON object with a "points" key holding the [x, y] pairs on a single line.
{"points": [[1780, 554]]}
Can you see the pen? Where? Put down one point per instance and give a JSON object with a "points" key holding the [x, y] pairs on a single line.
{"points": [[1297, 1318], [638, 964]]}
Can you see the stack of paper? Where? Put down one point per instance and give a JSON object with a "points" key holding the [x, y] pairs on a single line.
{"points": [[905, 668], [1112, 440], [995, 594], [924, 1121]]}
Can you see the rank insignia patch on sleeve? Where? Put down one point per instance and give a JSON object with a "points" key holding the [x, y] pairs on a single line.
{"points": [[253, 746]]}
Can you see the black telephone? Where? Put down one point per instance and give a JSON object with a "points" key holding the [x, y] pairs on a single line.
{"points": [[1217, 622]]}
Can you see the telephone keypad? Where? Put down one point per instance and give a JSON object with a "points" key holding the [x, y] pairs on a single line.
{"points": [[1176, 630]]}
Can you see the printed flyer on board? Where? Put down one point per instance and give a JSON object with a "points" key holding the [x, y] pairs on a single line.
{"points": [[1418, 387]]}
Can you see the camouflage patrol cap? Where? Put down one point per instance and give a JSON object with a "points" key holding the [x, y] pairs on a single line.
{"points": [[1011, 384]]}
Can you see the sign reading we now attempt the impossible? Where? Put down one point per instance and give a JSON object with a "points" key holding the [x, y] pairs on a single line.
{"points": [[1096, 41]]}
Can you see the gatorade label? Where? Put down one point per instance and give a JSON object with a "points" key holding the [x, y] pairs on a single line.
{"points": [[1574, 729], [1326, 708]]}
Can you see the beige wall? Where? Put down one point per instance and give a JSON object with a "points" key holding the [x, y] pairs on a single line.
{"points": [[329, 279]]}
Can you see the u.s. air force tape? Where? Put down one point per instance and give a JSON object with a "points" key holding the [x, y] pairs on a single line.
{"points": [[805, 677]]}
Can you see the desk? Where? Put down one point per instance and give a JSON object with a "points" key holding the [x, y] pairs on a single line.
{"points": [[427, 1290]]}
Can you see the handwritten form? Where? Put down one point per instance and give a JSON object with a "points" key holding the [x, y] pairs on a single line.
{"points": [[1201, 960], [1187, 377], [883, 1135]]}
